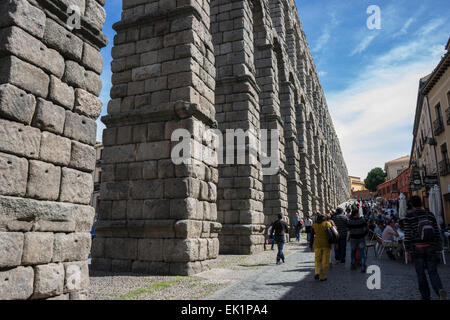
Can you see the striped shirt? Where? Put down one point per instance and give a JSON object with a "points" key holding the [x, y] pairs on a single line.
{"points": [[341, 222], [357, 227], [411, 226]]}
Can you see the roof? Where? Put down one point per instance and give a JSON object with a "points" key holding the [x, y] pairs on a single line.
{"points": [[401, 159], [438, 71]]}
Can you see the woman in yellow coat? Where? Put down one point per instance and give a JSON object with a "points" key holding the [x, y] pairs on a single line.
{"points": [[321, 247]]}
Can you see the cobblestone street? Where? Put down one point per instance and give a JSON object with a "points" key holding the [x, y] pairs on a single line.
{"points": [[257, 277], [294, 280]]}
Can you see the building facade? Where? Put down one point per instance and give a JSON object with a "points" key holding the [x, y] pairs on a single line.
{"points": [[394, 167], [436, 92], [423, 163], [392, 189], [356, 184]]}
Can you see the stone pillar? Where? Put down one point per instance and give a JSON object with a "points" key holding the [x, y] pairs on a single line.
{"points": [[304, 155], [49, 84], [240, 189], [158, 216], [294, 183]]}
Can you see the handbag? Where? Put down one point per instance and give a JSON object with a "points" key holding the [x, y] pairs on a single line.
{"points": [[333, 234]]}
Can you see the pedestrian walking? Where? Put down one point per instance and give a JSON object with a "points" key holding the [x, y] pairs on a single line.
{"points": [[298, 227], [308, 228], [321, 247], [278, 232], [357, 227], [332, 245], [422, 241], [271, 236], [341, 222]]}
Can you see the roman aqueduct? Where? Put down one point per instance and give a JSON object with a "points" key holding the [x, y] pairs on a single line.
{"points": [[189, 64]]}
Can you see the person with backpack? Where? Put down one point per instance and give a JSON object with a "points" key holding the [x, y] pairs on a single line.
{"points": [[278, 232], [357, 227], [422, 241], [321, 246]]}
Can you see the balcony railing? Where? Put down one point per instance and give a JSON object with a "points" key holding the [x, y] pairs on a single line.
{"points": [[438, 126], [447, 113], [444, 167]]}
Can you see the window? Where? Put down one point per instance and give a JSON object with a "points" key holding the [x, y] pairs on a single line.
{"points": [[448, 99], [444, 152], [439, 112], [444, 163]]}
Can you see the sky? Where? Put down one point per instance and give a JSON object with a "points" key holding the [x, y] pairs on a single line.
{"points": [[370, 77]]}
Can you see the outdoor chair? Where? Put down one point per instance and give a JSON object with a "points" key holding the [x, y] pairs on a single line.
{"points": [[371, 243]]}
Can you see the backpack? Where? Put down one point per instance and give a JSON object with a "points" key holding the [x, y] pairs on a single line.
{"points": [[332, 234], [425, 229]]}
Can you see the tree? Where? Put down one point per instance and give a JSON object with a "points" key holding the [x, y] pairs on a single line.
{"points": [[374, 178]]}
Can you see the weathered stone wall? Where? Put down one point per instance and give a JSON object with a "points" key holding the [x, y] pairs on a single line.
{"points": [[157, 216], [49, 83], [266, 79], [196, 64]]}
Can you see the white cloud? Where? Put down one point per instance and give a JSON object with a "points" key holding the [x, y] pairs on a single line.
{"points": [[404, 29], [326, 33], [364, 44], [430, 27], [100, 128], [322, 41], [372, 116]]}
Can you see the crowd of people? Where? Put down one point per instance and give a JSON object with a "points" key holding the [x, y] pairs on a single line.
{"points": [[329, 235]]}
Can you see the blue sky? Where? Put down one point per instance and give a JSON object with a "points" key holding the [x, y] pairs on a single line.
{"points": [[370, 77]]}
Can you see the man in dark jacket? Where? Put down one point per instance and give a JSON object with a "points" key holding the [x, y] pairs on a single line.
{"points": [[357, 227], [279, 229], [422, 240], [341, 222]]}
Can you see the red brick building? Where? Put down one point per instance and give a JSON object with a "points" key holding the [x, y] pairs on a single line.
{"points": [[391, 189], [363, 194]]}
